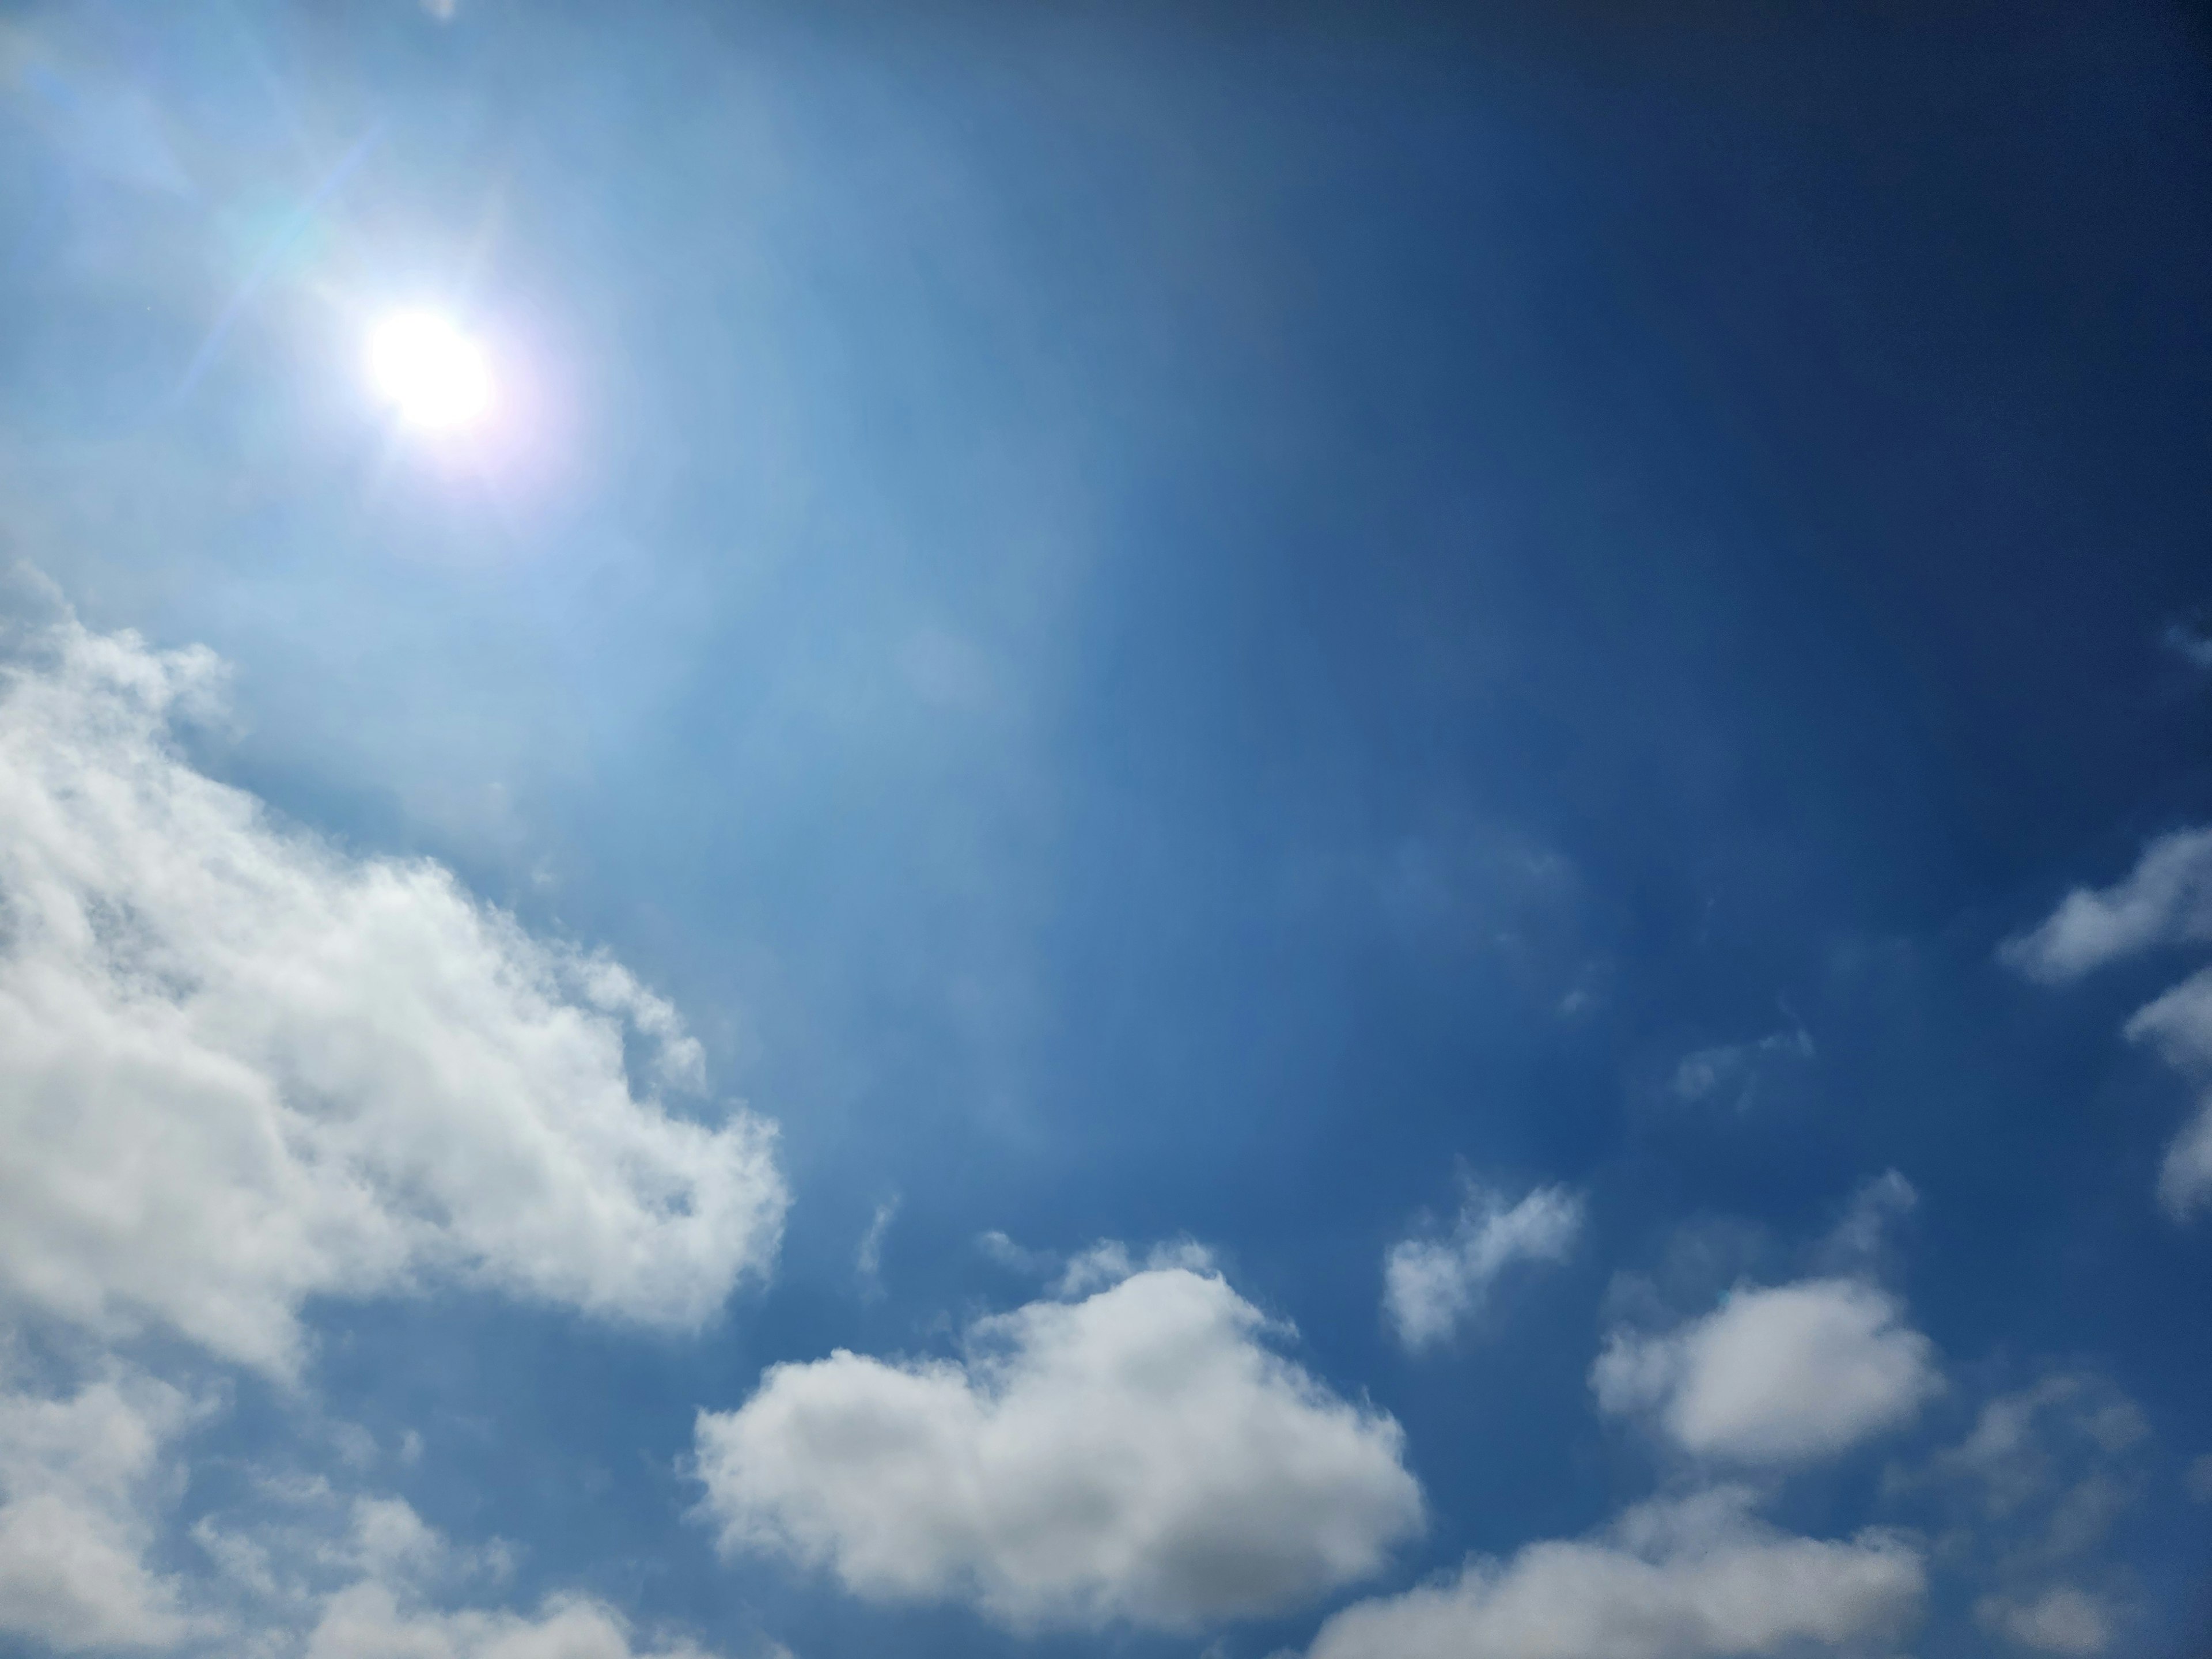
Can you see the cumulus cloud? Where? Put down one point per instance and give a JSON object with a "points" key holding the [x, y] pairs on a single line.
{"points": [[2167, 899], [1780, 1375], [1141, 1455], [239, 1066], [75, 1481], [1694, 1578], [1430, 1285]]}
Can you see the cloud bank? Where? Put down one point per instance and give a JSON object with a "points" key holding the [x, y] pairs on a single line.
{"points": [[1141, 1454], [239, 1067]]}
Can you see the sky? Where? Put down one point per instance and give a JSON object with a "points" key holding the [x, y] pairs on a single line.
{"points": [[1305, 832]]}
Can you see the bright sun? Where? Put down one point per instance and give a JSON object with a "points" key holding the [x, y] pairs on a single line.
{"points": [[435, 377]]}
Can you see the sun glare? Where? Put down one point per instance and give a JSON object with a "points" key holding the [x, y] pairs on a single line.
{"points": [[435, 378]]}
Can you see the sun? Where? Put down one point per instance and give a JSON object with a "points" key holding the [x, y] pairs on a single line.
{"points": [[435, 377]]}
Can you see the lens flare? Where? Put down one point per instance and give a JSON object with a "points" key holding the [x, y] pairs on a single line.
{"points": [[435, 378]]}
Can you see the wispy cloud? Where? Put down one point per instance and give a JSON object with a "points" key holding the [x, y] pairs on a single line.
{"points": [[1431, 1285], [2165, 900], [2190, 640], [1735, 1072], [2031, 1496], [868, 1259]]}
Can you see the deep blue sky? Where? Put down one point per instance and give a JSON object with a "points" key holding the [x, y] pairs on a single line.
{"points": [[1173, 622]]}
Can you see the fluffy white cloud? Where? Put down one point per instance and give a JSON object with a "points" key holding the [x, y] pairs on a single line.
{"points": [[369, 1621], [239, 1066], [1691, 1579], [1775, 1375], [2062, 1620], [2167, 898], [1141, 1454], [1430, 1285], [75, 1480]]}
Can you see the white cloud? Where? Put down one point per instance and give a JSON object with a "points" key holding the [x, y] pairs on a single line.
{"points": [[2062, 1620], [1735, 1069], [1775, 1375], [239, 1066], [1690, 1579], [75, 1481], [301, 1538], [2053, 1466], [2178, 1024], [1429, 1285], [2166, 899], [868, 1259], [2008, 1452], [1141, 1454], [311, 1571], [369, 1621], [1876, 1209], [1015, 1258], [1107, 1262]]}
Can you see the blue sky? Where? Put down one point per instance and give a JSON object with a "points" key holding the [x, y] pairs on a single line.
{"points": [[1353, 832]]}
